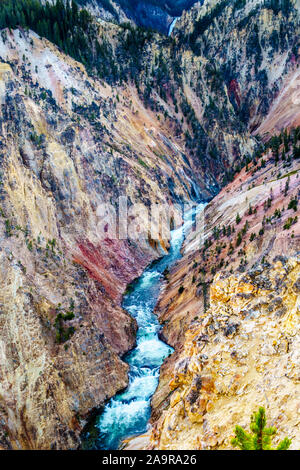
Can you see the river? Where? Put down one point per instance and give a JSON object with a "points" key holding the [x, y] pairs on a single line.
{"points": [[127, 414]]}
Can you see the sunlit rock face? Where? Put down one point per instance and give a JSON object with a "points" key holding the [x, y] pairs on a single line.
{"points": [[237, 301], [242, 353]]}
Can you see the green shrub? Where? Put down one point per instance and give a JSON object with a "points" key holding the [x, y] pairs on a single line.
{"points": [[239, 239], [290, 222], [293, 204], [261, 437], [8, 228]]}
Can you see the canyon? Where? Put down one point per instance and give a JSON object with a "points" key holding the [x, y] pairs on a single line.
{"points": [[164, 120]]}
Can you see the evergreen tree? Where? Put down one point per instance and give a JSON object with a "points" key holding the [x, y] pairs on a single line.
{"points": [[261, 436]]}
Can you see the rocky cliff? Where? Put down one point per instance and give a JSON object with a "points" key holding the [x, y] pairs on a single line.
{"points": [[216, 78], [235, 294], [243, 352]]}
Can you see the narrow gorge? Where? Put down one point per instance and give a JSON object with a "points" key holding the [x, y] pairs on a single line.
{"points": [[128, 413], [115, 333]]}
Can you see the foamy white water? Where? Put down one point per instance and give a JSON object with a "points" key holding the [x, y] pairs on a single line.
{"points": [[128, 413]]}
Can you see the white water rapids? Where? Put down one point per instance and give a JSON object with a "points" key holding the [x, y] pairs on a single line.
{"points": [[127, 414]]}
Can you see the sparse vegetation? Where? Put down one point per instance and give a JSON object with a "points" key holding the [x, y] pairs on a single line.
{"points": [[260, 437], [293, 204], [291, 221], [63, 333]]}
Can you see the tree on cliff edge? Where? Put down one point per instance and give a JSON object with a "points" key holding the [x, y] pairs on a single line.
{"points": [[261, 436]]}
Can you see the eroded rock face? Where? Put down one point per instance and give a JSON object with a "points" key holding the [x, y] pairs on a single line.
{"points": [[261, 197], [66, 147], [237, 299], [45, 389], [212, 82], [262, 293], [239, 355]]}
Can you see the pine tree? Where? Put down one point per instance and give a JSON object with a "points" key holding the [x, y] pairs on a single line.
{"points": [[261, 436]]}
